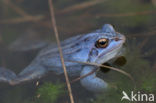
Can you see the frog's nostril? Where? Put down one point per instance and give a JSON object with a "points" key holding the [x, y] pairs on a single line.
{"points": [[116, 39], [122, 37]]}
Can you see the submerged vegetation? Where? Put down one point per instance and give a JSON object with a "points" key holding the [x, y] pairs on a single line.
{"points": [[49, 93], [129, 17], [46, 93]]}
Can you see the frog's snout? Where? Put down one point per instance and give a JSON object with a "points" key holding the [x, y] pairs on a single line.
{"points": [[123, 38], [120, 38]]}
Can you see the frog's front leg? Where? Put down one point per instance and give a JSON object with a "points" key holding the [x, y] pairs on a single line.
{"points": [[91, 82]]}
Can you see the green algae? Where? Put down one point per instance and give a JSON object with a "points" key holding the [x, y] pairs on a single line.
{"points": [[49, 93], [46, 93]]}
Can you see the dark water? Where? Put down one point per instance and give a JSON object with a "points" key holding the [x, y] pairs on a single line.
{"points": [[135, 19]]}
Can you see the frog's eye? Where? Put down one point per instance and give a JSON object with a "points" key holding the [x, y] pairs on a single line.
{"points": [[102, 43]]}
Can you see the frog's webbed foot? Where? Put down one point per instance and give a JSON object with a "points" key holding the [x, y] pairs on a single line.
{"points": [[33, 71], [6, 75], [91, 82], [29, 73]]}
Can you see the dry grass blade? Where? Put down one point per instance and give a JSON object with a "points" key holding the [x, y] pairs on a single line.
{"points": [[105, 66], [60, 49], [143, 34], [22, 20], [16, 8], [25, 16], [143, 43], [128, 14], [82, 6], [81, 77]]}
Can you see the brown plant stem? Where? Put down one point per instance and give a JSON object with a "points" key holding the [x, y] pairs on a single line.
{"points": [[22, 20], [81, 77], [128, 14], [143, 43], [81, 6], [16, 8], [53, 21], [105, 66]]}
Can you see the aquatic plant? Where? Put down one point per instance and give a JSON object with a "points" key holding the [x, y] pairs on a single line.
{"points": [[49, 93]]}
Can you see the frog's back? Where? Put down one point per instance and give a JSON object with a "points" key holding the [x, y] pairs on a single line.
{"points": [[71, 48]]}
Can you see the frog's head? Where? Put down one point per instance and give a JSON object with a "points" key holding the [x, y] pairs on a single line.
{"points": [[107, 45]]}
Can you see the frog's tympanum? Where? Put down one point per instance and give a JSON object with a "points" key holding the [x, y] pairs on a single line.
{"points": [[98, 47]]}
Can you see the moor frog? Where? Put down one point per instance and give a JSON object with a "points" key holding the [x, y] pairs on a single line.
{"points": [[98, 47]]}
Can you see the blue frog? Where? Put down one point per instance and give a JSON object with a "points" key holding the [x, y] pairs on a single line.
{"points": [[98, 47]]}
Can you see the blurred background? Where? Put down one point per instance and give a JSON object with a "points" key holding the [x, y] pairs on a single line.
{"points": [[25, 28]]}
